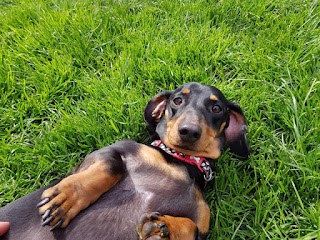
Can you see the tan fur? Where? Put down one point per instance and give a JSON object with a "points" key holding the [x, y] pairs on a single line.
{"points": [[222, 126], [155, 158], [186, 91], [213, 98], [203, 216], [179, 228], [78, 191]]}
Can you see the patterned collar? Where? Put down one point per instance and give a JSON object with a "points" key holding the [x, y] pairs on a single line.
{"points": [[200, 162]]}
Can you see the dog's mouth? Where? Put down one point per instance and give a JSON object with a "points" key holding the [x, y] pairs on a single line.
{"points": [[184, 147], [188, 150]]}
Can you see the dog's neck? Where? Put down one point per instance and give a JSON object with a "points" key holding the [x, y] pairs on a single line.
{"points": [[200, 162]]}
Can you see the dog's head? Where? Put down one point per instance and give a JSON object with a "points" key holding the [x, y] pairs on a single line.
{"points": [[197, 120]]}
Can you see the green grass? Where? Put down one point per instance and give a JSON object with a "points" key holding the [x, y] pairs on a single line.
{"points": [[76, 75]]}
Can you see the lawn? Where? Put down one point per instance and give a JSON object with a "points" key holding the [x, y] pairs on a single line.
{"points": [[75, 76]]}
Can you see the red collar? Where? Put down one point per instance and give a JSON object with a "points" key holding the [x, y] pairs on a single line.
{"points": [[200, 162]]}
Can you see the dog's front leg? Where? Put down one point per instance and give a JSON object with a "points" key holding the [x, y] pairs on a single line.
{"points": [[99, 172]]}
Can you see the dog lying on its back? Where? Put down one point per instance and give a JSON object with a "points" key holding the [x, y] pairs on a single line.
{"points": [[129, 190]]}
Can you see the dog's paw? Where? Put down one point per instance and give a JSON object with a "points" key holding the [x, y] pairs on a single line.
{"points": [[153, 227], [61, 203]]}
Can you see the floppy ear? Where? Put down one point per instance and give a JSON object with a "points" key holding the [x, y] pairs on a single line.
{"points": [[236, 130], [155, 109]]}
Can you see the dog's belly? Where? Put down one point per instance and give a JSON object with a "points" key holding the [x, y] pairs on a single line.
{"points": [[116, 214]]}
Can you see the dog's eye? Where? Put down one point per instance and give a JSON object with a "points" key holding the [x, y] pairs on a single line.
{"points": [[177, 101], [216, 109]]}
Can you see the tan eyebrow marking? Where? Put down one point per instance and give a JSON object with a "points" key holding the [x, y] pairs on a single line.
{"points": [[186, 91], [213, 98]]}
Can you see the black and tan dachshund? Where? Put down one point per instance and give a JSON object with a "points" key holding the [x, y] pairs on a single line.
{"points": [[133, 191]]}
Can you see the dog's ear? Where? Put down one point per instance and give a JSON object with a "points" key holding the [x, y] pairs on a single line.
{"points": [[236, 131], [155, 109]]}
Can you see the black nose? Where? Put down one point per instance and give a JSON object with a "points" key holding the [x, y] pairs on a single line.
{"points": [[189, 132]]}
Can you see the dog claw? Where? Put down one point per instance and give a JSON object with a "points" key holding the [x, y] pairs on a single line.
{"points": [[43, 202], [46, 214], [47, 221], [58, 224], [154, 216], [164, 230], [150, 216]]}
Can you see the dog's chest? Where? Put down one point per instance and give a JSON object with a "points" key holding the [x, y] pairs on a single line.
{"points": [[161, 186]]}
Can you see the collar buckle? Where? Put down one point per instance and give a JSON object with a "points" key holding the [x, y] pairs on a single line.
{"points": [[208, 173]]}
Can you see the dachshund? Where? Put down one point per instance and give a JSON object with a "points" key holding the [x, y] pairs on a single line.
{"points": [[130, 190]]}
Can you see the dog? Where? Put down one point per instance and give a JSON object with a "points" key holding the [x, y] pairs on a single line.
{"points": [[130, 190]]}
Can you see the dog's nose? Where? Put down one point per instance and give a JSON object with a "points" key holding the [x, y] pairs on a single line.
{"points": [[190, 132]]}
